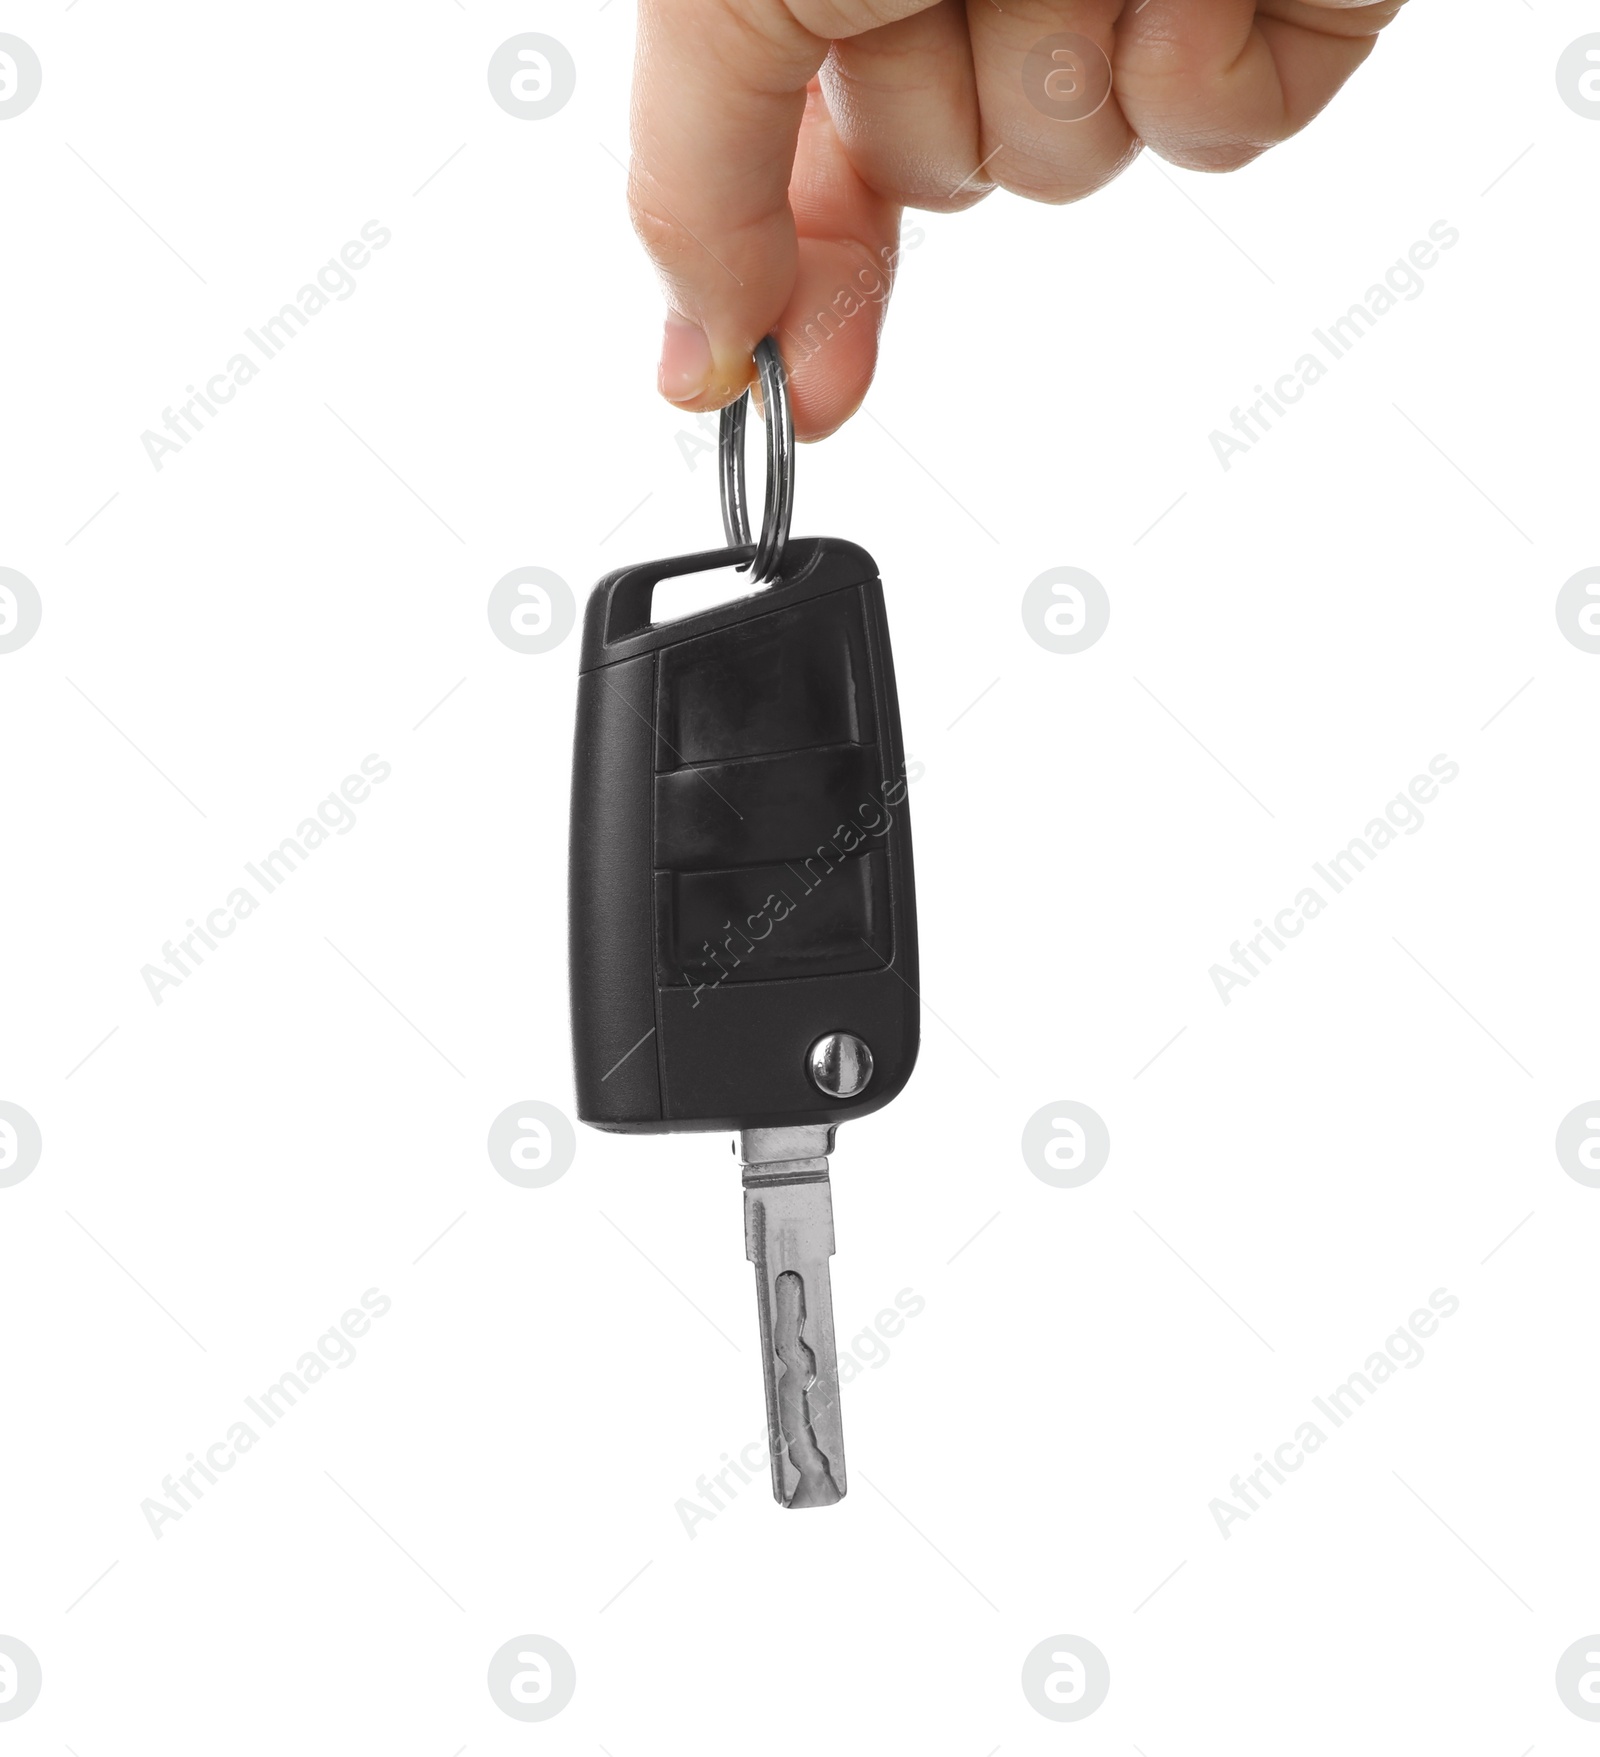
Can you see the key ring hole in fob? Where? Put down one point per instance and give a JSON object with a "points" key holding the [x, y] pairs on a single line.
{"points": [[779, 507]]}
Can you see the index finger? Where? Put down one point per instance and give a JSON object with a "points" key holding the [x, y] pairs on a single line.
{"points": [[719, 95]]}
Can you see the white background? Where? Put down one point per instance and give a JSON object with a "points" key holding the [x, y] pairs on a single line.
{"points": [[1292, 1176]]}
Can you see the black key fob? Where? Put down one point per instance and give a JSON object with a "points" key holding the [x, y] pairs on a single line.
{"points": [[740, 885]]}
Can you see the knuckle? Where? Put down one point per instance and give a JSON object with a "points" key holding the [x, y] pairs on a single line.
{"points": [[747, 33], [665, 238], [1214, 155], [947, 198], [1047, 187], [1355, 18], [832, 19], [934, 187], [1057, 180]]}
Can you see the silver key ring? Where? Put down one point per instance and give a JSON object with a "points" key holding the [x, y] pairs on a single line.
{"points": [[767, 562]]}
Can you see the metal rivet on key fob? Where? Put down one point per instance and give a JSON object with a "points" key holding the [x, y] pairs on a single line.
{"points": [[741, 892], [841, 1065]]}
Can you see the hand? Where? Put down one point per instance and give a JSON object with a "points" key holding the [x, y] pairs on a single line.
{"points": [[775, 143]]}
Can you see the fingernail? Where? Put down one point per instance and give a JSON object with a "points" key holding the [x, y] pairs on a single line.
{"points": [[685, 359]]}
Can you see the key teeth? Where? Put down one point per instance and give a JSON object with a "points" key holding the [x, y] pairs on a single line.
{"points": [[789, 1238], [798, 1323]]}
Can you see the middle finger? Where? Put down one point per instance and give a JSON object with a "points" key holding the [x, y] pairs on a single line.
{"points": [[1052, 129]]}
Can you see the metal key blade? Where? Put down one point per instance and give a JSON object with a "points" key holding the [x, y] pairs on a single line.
{"points": [[788, 1231]]}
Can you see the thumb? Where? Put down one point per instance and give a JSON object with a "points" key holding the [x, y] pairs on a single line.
{"points": [[718, 101]]}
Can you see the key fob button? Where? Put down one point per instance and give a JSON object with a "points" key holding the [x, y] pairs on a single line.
{"points": [[788, 680]]}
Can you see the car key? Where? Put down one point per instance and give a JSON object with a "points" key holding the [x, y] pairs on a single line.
{"points": [[742, 916]]}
